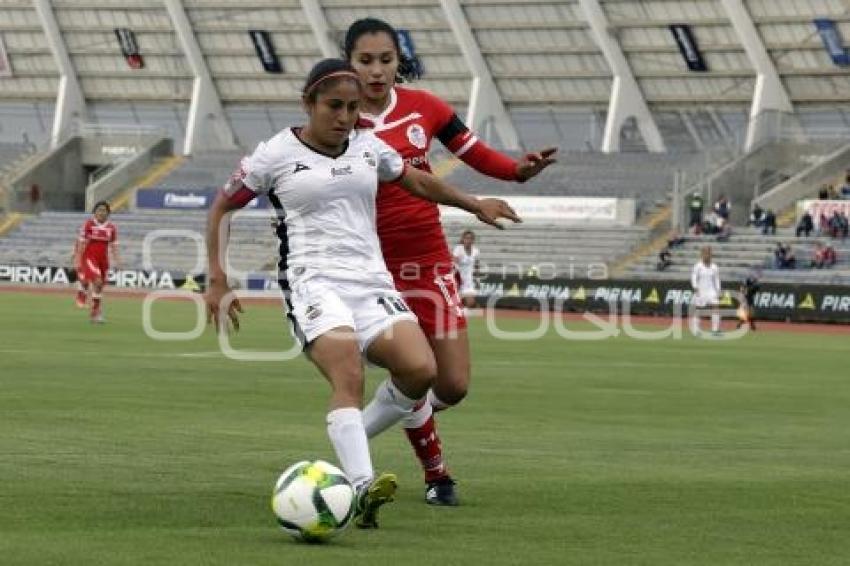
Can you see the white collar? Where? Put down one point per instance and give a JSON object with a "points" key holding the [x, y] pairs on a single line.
{"points": [[379, 119]]}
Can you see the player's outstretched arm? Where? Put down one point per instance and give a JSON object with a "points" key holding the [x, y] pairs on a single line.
{"points": [[221, 304], [116, 258], [429, 187]]}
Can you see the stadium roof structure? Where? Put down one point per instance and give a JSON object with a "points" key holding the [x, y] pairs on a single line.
{"points": [[619, 58]]}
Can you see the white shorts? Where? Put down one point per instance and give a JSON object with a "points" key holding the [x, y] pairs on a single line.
{"points": [[702, 300], [320, 305]]}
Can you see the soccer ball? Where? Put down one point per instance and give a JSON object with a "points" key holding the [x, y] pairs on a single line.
{"points": [[313, 501]]}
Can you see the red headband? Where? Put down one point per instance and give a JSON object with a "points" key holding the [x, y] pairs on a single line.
{"points": [[342, 73]]}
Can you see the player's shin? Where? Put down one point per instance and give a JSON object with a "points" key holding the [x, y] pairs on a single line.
{"points": [[387, 407], [348, 436]]}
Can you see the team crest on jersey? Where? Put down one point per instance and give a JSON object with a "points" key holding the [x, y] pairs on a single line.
{"points": [[370, 158], [313, 312], [416, 136]]}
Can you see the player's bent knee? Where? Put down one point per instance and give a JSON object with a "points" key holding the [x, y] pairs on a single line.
{"points": [[417, 375], [451, 392]]}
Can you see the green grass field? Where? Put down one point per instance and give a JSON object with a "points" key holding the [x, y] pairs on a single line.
{"points": [[116, 449]]}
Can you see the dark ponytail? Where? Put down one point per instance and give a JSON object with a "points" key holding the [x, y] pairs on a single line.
{"points": [[409, 68]]}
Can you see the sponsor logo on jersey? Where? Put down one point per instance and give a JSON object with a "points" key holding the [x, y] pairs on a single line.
{"points": [[299, 167], [339, 171], [416, 161], [416, 136], [370, 158]]}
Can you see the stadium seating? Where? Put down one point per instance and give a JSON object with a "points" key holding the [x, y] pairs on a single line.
{"points": [[48, 239], [648, 178], [746, 250]]}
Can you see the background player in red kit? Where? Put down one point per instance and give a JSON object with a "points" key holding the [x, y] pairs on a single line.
{"points": [[97, 237], [409, 229]]}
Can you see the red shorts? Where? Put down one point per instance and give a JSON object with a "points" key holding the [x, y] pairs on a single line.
{"points": [[93, 267], [431, 292]]}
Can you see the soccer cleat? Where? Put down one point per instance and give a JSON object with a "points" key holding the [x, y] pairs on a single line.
{"points": [[97, 318], [371, 497], [81, 299], [441, 492]]}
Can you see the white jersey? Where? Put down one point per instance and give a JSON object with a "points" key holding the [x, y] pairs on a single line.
{"points": [[326, 204], [706, 280], [465, 263]]}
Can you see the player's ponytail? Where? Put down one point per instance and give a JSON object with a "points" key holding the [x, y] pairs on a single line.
{"points": [[409, 68]]}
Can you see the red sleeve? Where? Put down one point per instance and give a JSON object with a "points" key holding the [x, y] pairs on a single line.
{"points": [[114, 237], [462, 142], [237, 192]]}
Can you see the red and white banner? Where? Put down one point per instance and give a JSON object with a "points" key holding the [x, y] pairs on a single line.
{"points": [[560, 209], [5, 67], [823, 207]]}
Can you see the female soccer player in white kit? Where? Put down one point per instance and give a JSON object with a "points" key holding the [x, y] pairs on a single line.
{"points": [[705, 280], [465, 257], [322, 180]]}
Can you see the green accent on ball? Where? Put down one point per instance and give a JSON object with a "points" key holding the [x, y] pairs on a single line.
{"points": [[330, 480], [295, 473]]}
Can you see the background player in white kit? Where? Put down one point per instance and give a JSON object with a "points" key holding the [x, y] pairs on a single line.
{"points": [[322, 180], [705, 280], [465, 256]]}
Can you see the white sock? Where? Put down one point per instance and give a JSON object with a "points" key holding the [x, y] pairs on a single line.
{"points": [[387, 407], [418, 417], [345, 429], [695, 324], [435, 401], [715, 322]]}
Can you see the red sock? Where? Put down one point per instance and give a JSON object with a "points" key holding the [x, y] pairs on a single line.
{"points": [[426, 444]]}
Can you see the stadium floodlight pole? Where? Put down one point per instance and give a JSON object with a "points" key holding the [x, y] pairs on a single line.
{"points": [[769, 93], [627, 100], [485, 100], [208, 126], [321, 30], [70, 101]]}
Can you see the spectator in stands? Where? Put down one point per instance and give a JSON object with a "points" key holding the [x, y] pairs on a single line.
{"points": [[823, 224], [805, 225], [784, 257], [845, 190], [823, 256], [838, 225], [665, 259], [823, 193], [769, 225], [695, 206], [746, 308], [35, 198], [756, 217], [722, 208]]}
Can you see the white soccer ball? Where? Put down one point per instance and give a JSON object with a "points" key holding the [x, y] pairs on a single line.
{"points": [[313, 501]]}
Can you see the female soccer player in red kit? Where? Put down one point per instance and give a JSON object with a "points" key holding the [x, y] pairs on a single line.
{"points": [[409, 229], [96, 238]]}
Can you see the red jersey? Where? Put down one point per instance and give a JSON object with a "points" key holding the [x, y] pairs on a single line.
{"points": [[96, 237], [409, 227]]}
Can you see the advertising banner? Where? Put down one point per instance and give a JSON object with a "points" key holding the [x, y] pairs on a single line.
{"points": [[123, 278], [576, 209], [832, 41], [265, 50], [688, 47], [129, 47], [198, 199], [774, 301]]}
